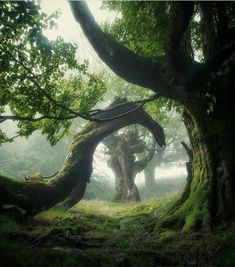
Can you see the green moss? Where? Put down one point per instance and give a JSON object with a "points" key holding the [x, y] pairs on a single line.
{"points": [[57, 212], [102, 234], [167, 236]]}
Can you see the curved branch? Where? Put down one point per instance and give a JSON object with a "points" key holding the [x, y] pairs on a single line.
{"points": [[188, 150], [69, 185], [140, 165], [96, 115], [139, 70]]}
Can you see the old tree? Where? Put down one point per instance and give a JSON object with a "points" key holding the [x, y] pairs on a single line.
{"points": [[153, 45]]}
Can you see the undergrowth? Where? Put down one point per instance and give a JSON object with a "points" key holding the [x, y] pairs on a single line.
{"points": [[95, 233]]}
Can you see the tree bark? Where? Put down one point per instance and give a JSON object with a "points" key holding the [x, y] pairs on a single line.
{"points": [[209, 197], [69, 185]]}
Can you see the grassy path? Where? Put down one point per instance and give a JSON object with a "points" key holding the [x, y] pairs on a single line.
{"points": [[98, 234]]}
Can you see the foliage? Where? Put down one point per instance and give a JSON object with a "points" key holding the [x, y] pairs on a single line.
{"points": [[99, 188], [32, 155], [33, 74], [142, 26]]}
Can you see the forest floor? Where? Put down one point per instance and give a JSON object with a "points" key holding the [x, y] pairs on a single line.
{"points": [[108, 234]]}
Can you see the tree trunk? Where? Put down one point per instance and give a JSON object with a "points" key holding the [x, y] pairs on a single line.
{"points": [[210, 198], [124, 149], [207, 93], [69, 185], [149, 173], [150, 183], [122, 163]]}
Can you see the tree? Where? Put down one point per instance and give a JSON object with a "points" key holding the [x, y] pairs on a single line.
{"points": [[68, 186], [122, 149], [173, 153], [206, 89]]}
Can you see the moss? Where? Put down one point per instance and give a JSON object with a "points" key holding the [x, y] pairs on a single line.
{"points": [[15, 256], [107, 234], [57, 212], [167, 236], [7, 225], [192, 215]]}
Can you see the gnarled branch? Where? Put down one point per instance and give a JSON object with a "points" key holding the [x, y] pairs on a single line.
{"points": [[96, 115]]}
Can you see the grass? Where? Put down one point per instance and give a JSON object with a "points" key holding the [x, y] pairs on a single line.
{"points": [[95, 233]]}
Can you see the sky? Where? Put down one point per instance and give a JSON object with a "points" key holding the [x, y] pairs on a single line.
{"points": [[71, 31]]}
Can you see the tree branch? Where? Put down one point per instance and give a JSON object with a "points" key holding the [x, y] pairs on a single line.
{"points": [[97, 115], [140, 165], [139, 70], [93, 115], [188, 150]]}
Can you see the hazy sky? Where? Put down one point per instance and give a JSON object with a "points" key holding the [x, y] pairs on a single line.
{"points": [[71, 31]]}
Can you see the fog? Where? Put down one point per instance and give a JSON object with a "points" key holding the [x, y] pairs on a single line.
{"points": [[25, 156]]}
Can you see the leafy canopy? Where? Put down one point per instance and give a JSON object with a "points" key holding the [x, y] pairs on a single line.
{"points": [[142, 26], [33, 73]]}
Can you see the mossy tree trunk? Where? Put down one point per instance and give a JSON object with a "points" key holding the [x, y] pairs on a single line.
{"points": [[68, 187], [150, 182], [122, 163], [209, 197]]}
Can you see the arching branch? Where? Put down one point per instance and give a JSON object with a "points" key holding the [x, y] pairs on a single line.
{"points": [[153, 73], [96, 115], [140, 165], [69, 185], [188, 150]]}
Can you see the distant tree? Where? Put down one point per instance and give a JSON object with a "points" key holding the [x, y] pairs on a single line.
{"points": [[122, 149]]}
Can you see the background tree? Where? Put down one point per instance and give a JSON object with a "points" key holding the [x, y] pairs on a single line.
{"points": [[122, 149], [168, 114], [173, 154]]}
